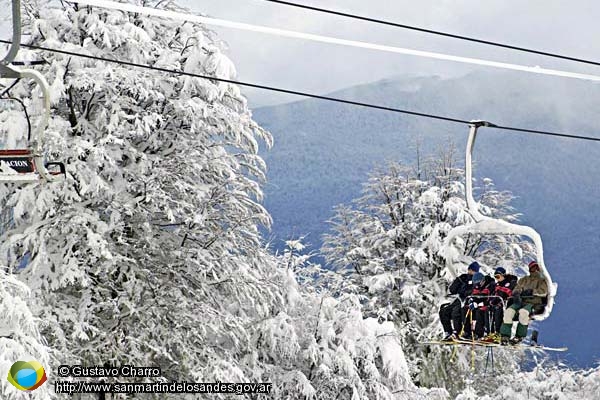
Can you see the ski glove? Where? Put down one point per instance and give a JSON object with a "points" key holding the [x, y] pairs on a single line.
{"points": [[527, 292]]}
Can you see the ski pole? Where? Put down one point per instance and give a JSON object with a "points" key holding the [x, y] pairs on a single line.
{"points": [[462, 330], [473, 343], [487, 359]]}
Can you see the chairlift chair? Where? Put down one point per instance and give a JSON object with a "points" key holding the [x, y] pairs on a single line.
{"points": [[492, 226], [27, 165]]}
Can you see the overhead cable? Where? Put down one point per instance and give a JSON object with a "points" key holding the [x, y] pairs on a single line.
{"points": [[435, 32], [304, 94], [327, 39]]}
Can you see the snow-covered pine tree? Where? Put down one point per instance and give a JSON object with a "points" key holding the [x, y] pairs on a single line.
{"points": [[149, 253], [387, 246]]}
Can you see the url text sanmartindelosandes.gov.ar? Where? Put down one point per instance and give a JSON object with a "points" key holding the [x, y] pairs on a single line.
{"points": [[161, 387]]}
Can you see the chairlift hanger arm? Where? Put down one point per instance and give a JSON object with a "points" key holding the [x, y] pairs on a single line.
{"points": [[16, 42]]}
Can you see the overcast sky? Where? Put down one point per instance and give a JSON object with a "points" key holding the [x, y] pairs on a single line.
{"points": [[553, 25]]}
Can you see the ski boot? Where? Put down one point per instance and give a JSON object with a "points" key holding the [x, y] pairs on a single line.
{"points": [[492, 338], [516, 340], [450, 337], [469, 337]]}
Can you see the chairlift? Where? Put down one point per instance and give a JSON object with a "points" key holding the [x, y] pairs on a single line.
{"points": [[492, 226], [27, 164]]}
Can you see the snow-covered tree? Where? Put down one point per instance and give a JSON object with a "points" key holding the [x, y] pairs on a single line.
{"points": [[387, 246], [347, 355], [20, 339], [544, 382], [154, 232]]}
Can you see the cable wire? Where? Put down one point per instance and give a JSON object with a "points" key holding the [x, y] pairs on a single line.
{"points": [[434, 32], [307, 94], [328, 39]]}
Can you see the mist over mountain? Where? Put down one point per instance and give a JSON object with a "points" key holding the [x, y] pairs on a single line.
{"points": [[323, 152]]}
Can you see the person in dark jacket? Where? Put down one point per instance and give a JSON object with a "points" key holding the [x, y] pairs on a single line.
{"points": [[529, 292], [451, 313], [505, 283], [476, 306]]}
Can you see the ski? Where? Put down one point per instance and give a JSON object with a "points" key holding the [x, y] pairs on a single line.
{"points": [[488, 344], [459, 342], [532, 347]]}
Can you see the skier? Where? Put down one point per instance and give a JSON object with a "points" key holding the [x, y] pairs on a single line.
{"points": [[451, 313], [528, 293], [476, 308], [505, 283]]}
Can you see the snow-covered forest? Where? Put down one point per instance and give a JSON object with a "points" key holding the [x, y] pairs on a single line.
{"points": [[149, 252]]}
